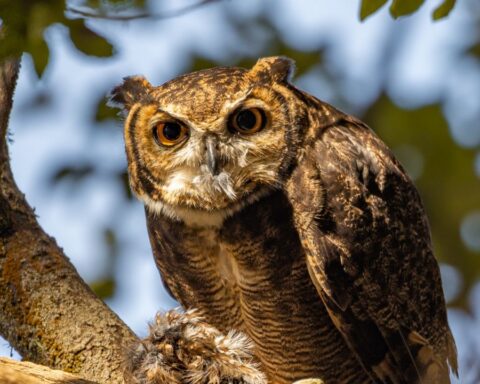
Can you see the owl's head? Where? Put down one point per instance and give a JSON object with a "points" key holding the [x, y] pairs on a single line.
{"points": [[205, 144]]}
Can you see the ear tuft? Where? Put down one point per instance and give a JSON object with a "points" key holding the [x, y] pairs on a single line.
{"points": [[276, 68], [132, 90]]}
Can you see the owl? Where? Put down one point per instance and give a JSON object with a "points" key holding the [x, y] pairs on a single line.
{"points": [[272, 213]]}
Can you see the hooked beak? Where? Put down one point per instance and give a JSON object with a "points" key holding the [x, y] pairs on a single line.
{"points": [[211, 155]]}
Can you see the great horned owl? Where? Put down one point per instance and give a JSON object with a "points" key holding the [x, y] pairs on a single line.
{"points": [[273, 213]]}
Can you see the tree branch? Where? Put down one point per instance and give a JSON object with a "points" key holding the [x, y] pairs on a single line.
{"points": [[47, 313], [143, 15], [15, 372]]}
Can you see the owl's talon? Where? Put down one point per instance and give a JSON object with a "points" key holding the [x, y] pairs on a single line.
{"points": [[183, 349]]}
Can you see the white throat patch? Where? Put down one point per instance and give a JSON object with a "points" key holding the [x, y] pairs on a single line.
{"points": [[201, 218]]}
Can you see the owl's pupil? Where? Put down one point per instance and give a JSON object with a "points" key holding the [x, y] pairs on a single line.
{"points": [[246, 120], [172, 131]]}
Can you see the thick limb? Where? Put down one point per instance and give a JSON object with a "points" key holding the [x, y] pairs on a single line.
{"points": [[47, 313]]}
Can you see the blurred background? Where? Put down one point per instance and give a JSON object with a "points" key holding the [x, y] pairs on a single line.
{"points": [[415, 81]]}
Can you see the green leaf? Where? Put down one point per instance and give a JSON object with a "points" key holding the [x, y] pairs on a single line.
{"points": [[92, 4], [103, 111], [74, 173], [40, 54], [199, 62], [443, 9], [23, 26], [125, 184], [304, 60], [404, 7], [474, 50], [40, 18], [110, 237], [370, 6], [87, 41], [104, 288], [95, 4]]}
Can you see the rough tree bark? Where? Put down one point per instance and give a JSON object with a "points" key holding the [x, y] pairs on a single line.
{"points": [[14, 372], [47, 313]]}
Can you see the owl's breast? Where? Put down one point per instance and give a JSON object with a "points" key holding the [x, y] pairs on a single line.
{"points": [[251, 275]]}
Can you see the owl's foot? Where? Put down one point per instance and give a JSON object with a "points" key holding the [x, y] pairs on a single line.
{"points": [[183, 349]]}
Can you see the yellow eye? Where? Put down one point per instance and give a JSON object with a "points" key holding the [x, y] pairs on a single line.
{"points": [[169, 133], [248, 121]]}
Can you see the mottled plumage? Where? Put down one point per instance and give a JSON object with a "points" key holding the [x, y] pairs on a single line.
{"points": [[302, 231], [182, 348]]}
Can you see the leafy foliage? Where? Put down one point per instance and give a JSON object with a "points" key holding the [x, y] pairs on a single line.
{"points": [[400, 8], [73, 173], [87, 41], [475, 50], [104, 288], [24, 24], [404, 7], [103, 112], [370, 6], [443, 10], [305, 60]]}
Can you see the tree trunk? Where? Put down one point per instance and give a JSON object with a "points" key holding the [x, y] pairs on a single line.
{"points": [[47, 313]]}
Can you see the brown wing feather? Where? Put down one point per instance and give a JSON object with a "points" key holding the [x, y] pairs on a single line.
{"points": [[369, 254]]}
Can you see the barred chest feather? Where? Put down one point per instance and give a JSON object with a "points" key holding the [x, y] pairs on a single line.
{"points": [[250, 274]]}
